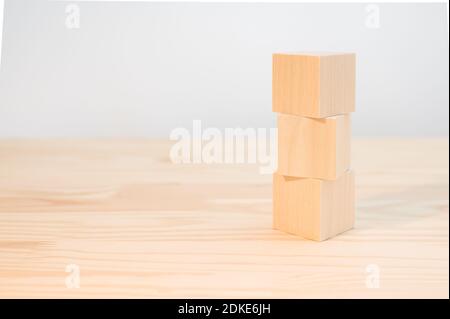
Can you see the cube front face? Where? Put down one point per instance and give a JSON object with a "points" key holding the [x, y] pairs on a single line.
{"points": [[312, 208], [315, 148], [297, 205], [296, 85], [313, 85]]}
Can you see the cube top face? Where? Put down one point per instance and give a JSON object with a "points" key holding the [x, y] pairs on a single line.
{"points": [[314, 85]]}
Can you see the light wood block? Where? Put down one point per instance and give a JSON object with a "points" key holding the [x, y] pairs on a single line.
{"points": [[316, 148], [313, 84], [313, 208]]}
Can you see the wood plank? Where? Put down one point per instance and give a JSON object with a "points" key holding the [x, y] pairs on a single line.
{"points": [[139, 226]]}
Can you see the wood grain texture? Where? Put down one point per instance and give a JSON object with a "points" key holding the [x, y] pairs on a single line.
{"points": [[312, 208], [139, 226], [316, 148], [313, 84]]}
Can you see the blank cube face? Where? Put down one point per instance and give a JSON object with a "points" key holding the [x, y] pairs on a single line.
{"points": [[312, 208], [316, 148], [313, 85]]}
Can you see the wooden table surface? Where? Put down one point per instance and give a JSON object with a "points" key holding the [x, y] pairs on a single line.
{"points": [[136, 225]]}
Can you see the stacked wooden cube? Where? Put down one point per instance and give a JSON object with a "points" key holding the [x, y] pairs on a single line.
{"points": [[313, 188]]}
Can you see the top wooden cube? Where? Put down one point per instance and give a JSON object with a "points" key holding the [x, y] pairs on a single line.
{"points": [[313, 84]]}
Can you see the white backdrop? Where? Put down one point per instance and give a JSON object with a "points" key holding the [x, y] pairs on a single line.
{"points": [[2, 3], [142, 69]]}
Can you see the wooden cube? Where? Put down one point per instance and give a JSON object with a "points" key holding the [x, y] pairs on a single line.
{"points": [[313, 84], [313, 208], [316, 148]]}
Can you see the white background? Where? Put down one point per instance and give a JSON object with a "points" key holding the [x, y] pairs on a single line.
{"points": [[142, 69]]}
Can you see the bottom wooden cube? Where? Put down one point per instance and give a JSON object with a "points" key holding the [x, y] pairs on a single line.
{"points": [[313, 208]]}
